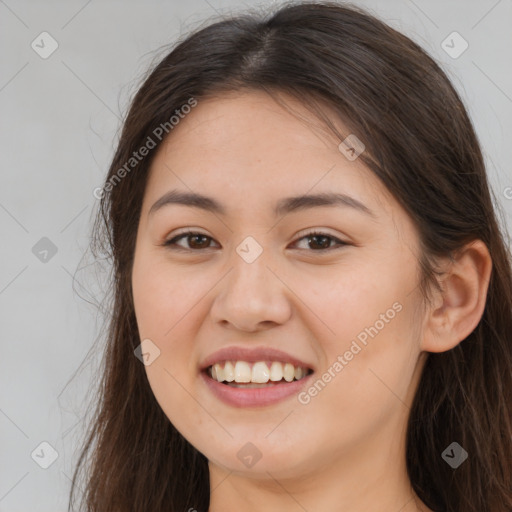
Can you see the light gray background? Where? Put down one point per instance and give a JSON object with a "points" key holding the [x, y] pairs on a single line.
{"points": [[60, 118]]}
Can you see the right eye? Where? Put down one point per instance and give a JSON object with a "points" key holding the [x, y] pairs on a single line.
{"points": [[197, 243]]}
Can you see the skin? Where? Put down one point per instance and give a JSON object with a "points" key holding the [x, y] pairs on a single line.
{"points": [[345, 449]]}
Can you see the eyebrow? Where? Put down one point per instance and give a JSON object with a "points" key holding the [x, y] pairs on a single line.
{"points": [[282, 207]]}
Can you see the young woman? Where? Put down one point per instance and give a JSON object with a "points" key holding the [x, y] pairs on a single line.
{"points": [[312, 295]]}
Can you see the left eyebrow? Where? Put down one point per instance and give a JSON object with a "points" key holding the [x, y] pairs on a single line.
{"points": [[292, 204], [283, 206]]}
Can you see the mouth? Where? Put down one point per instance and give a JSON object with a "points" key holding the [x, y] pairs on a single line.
{"points": [[259, 374], [255, 384]]}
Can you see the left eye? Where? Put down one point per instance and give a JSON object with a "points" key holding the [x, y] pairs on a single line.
{"points": [[189, 235], [201, 241]]}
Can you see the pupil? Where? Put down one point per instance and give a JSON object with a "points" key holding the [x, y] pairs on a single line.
{"points": [[322, 237], [195, 238]]}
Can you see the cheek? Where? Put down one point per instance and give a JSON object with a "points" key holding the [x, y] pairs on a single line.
{"points": [[375, 345], [364, 384], [165, 302], [355, 304], [350, 295], [165, 296]]}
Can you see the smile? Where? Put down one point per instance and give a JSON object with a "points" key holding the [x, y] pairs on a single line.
{"points": [[246, 374], [257, 384]]}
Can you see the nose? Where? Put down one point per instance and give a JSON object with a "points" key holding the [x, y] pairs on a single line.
{"points": [[252, 296]]}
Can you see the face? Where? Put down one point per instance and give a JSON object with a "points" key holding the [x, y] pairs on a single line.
{"points": [[342, 303]]}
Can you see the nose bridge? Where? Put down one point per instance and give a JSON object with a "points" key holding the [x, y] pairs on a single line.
{"points": [[250, 260], [250, 294]]}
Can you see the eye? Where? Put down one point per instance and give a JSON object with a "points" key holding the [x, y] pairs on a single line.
{"points": [[323, 240], [201, 241], [198, 241]]}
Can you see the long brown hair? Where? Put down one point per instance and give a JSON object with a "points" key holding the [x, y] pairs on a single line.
{"points": [[421, 144]]}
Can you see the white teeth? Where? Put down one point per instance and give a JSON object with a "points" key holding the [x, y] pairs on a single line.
{"points": [[288, 372], [229, 372], [276, 371], [260, 373], [241, 372], [219, 372]]}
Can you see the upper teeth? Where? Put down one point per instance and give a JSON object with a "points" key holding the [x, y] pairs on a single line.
{"points": [[241, 371]]}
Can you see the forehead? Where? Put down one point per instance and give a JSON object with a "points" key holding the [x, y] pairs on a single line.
{"points": [[246, 146]]}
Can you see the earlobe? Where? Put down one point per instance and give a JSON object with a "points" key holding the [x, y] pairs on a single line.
{"points": [[460, 305]]}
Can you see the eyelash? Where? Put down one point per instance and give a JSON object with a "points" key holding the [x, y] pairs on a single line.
{"points": [[171, 244]]}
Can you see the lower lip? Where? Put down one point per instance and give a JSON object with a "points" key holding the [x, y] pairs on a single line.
{"points": [[254, 397]]}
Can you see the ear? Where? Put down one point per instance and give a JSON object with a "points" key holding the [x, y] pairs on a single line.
{"points": [[458, 308]]}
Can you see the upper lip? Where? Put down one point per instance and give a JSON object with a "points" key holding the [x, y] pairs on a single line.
{"points": [[251, 356]]}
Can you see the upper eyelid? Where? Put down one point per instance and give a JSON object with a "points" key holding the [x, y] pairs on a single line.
{"points": [[300, 234]]}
